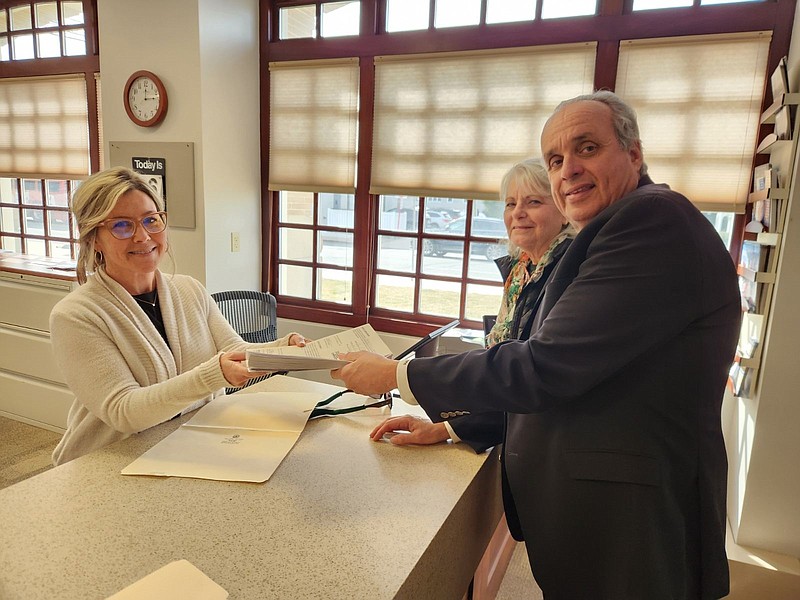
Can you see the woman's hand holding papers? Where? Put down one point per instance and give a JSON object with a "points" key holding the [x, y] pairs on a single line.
{"points": [[413, 430], [234, 368], [367, 373]]}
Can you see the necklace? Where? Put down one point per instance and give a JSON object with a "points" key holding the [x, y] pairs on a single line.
{"points": [[143, 300]]}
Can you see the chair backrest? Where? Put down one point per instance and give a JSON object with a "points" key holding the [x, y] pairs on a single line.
{"points": [[251, 314]]}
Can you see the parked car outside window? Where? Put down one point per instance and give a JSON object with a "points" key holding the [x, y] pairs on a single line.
{"points": [[482, 227]]}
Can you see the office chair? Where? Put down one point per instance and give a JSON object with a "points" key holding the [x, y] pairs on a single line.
{"points": [[253, 315]]}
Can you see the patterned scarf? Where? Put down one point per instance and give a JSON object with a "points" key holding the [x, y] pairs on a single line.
{"points": [[523, 271]]}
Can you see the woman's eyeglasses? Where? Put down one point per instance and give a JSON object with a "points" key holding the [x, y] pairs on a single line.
{"points": [[123, 228]]}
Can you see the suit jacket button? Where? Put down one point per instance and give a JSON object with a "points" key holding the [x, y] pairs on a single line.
{"points": [[443, 414]]}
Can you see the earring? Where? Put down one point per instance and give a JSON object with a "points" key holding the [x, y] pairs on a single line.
{"points": [[98, 257]]}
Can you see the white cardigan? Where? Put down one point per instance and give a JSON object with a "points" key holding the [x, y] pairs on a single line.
{"points": [[124, 376]]}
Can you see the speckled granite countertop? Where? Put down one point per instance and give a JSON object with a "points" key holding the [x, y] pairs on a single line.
{"points": [[342, 517]]}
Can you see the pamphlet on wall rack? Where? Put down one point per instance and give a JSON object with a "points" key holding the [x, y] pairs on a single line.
{"points": [[319, 354]]}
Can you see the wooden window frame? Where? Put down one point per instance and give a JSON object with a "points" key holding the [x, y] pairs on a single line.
{"points": [[89, 66], [615, 21]]}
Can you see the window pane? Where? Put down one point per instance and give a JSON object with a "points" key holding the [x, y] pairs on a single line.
{"points": [[440, 212], [20, 17], [482, 300], [58, 221], [298, 22], [23, 46], [335, 286], [723, 223], [440, 298], [337, 210], [72, 13], [13, 244], [454, 13], [36, 247], [553, 9], [650, 4], [296, 207], [4, 54], [481, 260], [295, 281], [340, 18], [3, 21], [295, 244], [46, 14], [49, 44], [399, 213], [74, 42], [8, 190], [34, 221], [397, 253], [56, 193], [434, 247], [336, 248], [59, 250], [707, 2], [394, 293], [407, 15], [9, 220], [506, 11], [32, 192]]}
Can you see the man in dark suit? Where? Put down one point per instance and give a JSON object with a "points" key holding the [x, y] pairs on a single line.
{"points": [[613, 448]]}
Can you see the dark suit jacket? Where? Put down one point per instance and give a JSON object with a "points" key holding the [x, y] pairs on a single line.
{"points": [[484, 430], [614, 453]]}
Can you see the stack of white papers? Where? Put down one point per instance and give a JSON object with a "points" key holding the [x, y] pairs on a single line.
{"points": [[242, 437], [319, 354]]}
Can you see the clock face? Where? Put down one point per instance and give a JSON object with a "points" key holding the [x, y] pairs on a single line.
{"points": [[145, 99]]}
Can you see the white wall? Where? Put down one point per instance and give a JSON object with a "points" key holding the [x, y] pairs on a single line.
{"points": [[206, 53], [762, 437]]}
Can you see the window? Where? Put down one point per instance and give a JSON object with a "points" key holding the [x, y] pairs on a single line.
{"points": [[336, 19], [49, 140], [410, 15], [42, 30], [443, 109]]}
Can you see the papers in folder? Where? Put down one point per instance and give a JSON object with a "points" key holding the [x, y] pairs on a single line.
{"points": [[242, 437], [319, 354]]}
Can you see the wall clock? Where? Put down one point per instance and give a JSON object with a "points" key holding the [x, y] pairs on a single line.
{"points": [[145, 99]]}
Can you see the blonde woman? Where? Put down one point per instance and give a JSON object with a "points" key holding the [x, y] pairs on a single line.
{"points": [[136, 347]]}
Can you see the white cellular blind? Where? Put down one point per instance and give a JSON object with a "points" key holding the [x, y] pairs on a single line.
{"points": [[698, 100], [313, 123], [451, 124], [44, 128]]}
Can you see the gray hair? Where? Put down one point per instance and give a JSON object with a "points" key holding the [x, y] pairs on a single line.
{"points": [[623, 119], [94, 200]]}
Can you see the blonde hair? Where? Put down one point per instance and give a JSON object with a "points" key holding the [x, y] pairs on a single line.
{"points": [[94, 200]]}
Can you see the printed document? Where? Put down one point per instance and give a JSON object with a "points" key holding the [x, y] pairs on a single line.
{"points": [[242, 437], [319, 354]]}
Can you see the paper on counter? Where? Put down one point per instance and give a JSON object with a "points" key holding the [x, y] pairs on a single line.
{"points": [[319, 354], [179, 580], [258, 411], [242, 437]]}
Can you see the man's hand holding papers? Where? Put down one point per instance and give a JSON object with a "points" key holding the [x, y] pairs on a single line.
{"points": [[319, 354]]}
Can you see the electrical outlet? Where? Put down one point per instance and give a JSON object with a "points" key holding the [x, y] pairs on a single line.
{"points": [[235, 246]]}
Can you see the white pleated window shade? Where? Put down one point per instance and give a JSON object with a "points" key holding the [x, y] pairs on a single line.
{"points": [[698, 100], [451, 124], [313, 122], [44, 128]]}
